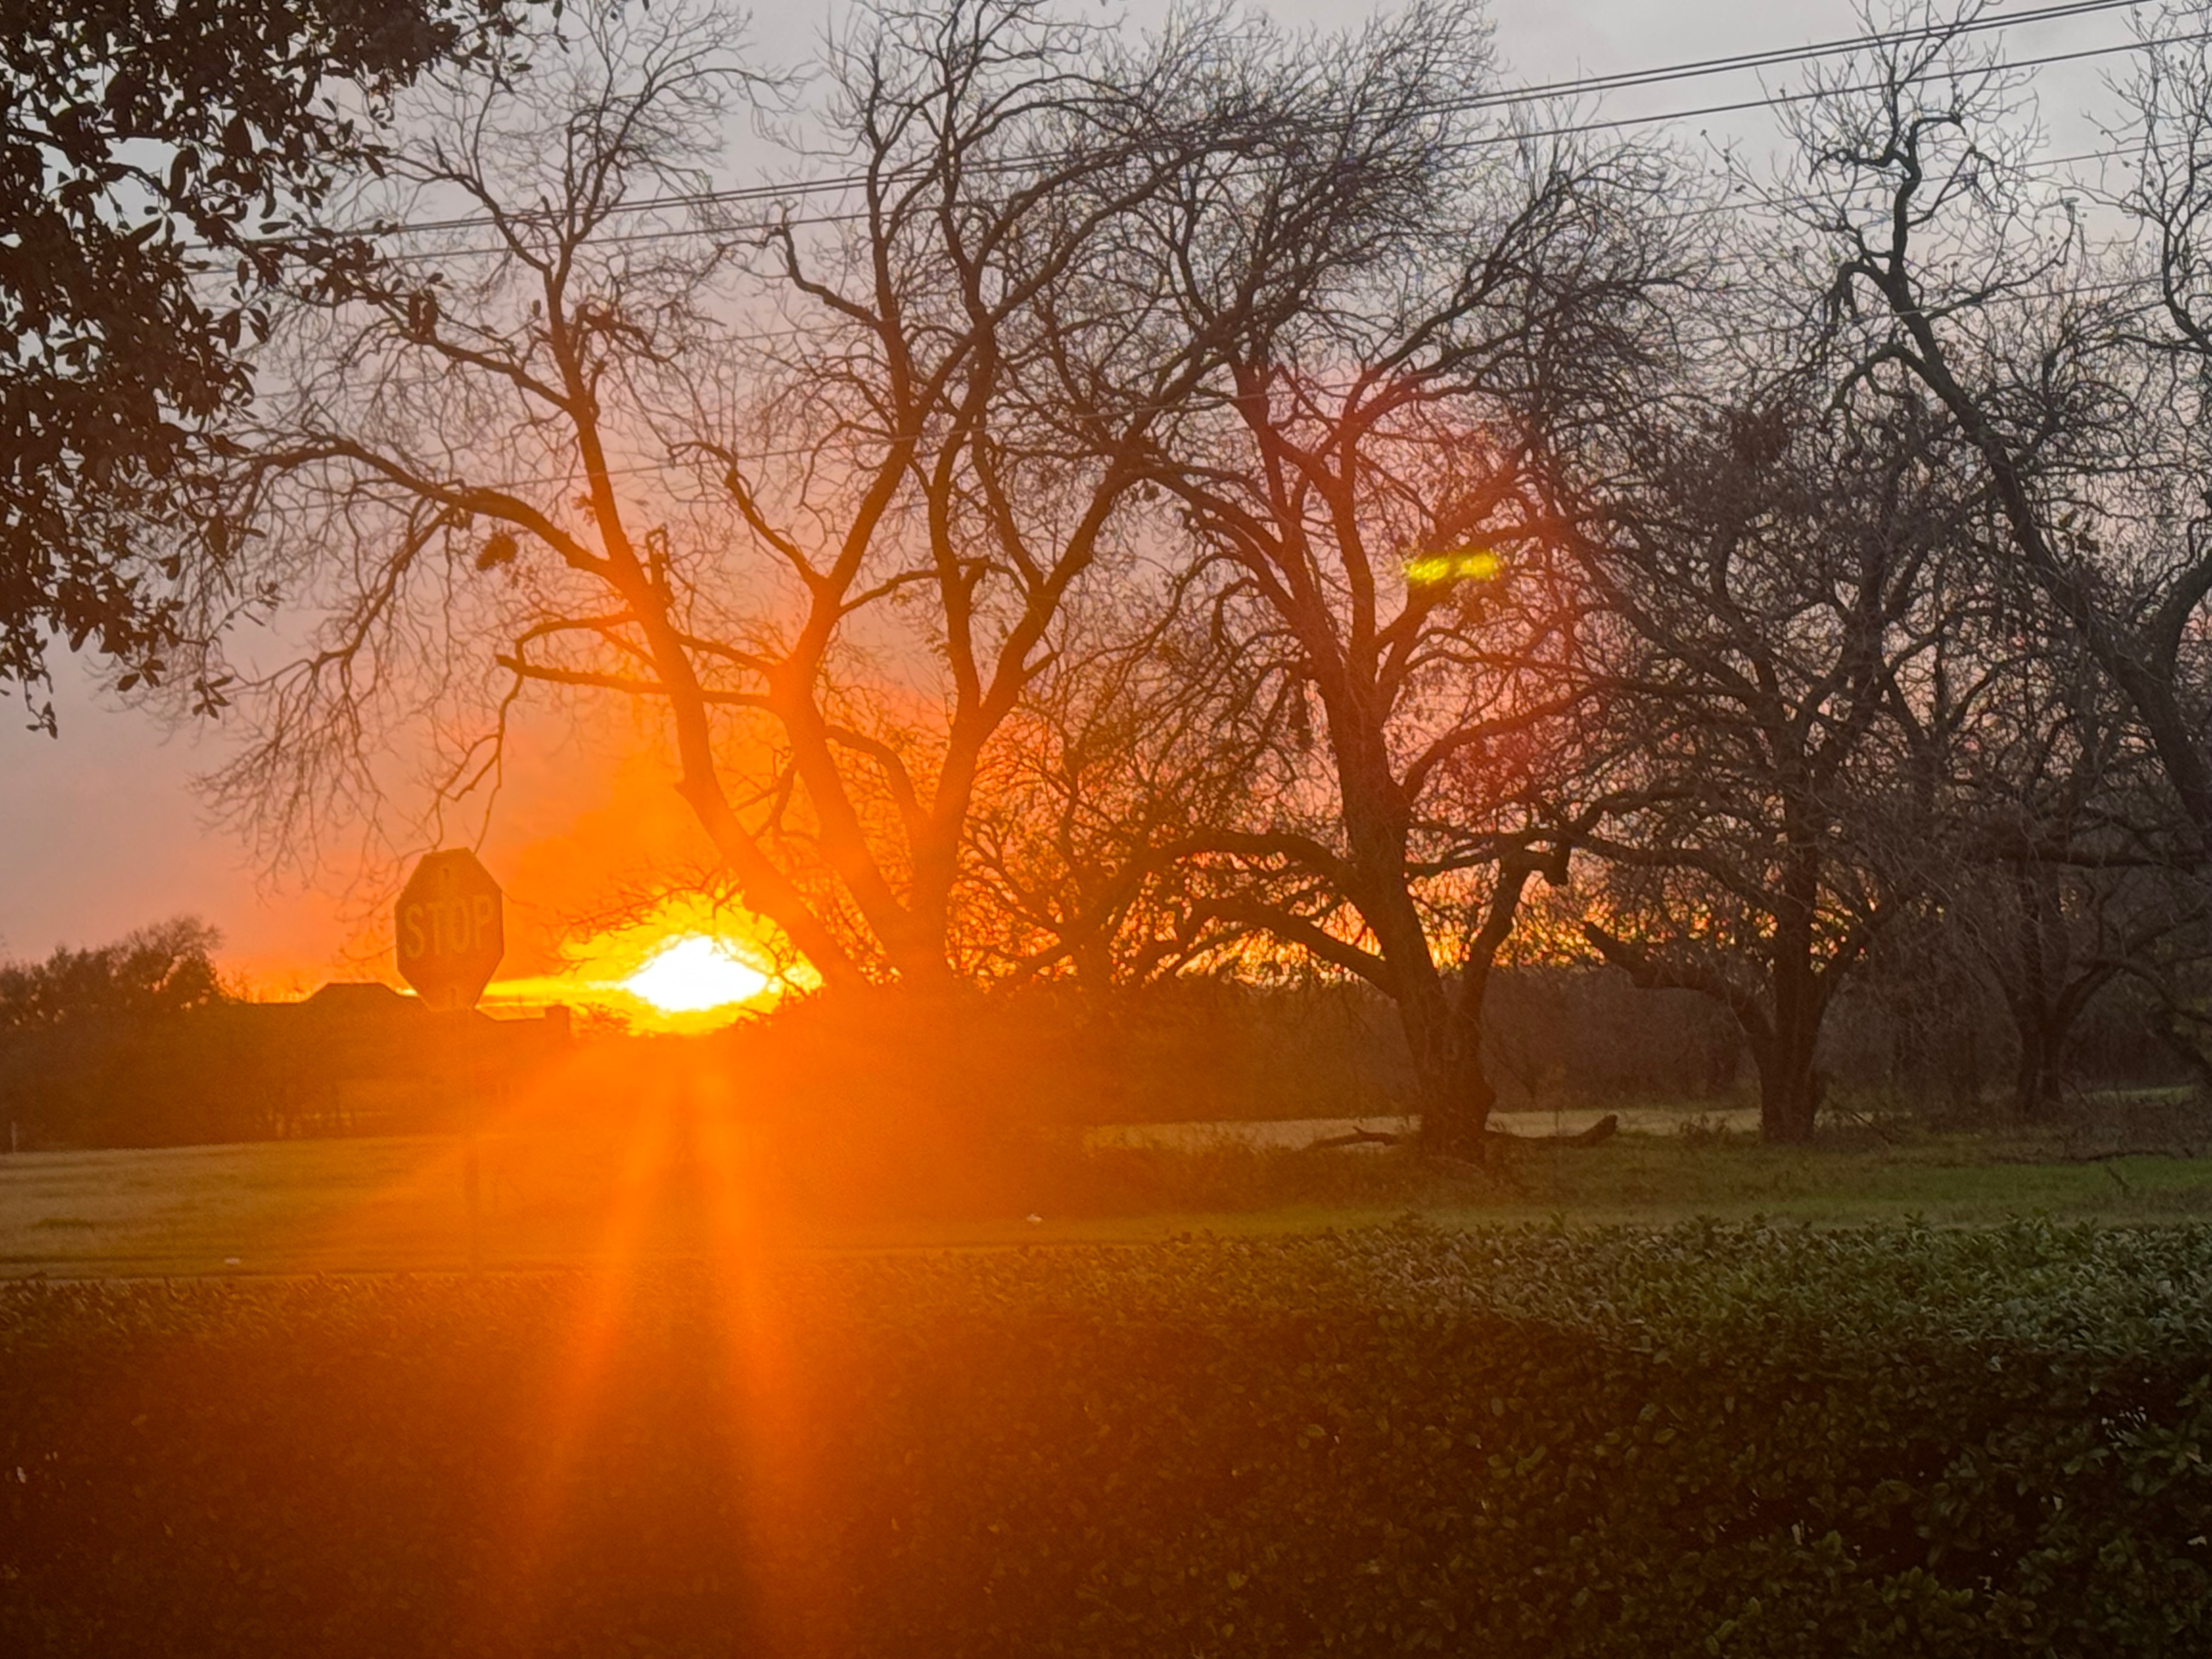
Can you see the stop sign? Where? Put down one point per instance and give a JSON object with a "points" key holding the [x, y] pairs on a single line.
{"points": [[451, 930]]}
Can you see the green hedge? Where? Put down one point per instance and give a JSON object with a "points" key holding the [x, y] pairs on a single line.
{"points": [[1728, 1440]]}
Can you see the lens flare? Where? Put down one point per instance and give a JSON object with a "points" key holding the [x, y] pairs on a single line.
{"points": [[1467, 564], [691, 975]]}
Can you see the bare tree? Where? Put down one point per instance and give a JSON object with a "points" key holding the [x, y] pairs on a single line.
{"points": [[2074, 374], [1417, 301], [1954, 271], [1121, 757], [1795, 580], [972, 379], [460, 454], [2064, 881], [830, 546]]}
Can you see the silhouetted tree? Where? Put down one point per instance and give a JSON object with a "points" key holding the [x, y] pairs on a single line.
{"points": [[1955, 272], [1418, 303], [167, 968], [69, 1027], [2073, 373], [1803, 591], [896, 485], [1120, 755]]}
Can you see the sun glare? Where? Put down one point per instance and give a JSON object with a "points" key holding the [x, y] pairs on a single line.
{"points": [[694, 974], [686, 966]]}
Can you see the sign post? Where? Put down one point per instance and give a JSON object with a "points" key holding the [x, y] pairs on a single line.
{"points": [[450, 932]]}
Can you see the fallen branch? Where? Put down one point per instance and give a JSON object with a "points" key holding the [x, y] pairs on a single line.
{"points": [[1603, 1130], [2183, 1153], [1356, 1138], [1598, 1132]]}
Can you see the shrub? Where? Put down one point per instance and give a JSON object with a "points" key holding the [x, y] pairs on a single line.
{"points": [[1728, 1440]]}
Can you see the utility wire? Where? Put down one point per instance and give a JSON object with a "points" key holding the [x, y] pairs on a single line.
{"points": [[761, 227], [1546, 93], [1781, 55], [2048, 165], [1526, 94]]}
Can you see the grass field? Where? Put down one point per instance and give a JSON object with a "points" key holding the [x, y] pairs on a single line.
{"points": [[398, 1203]]}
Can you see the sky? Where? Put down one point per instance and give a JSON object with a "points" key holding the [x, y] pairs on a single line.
{"points": [[101, 830]]}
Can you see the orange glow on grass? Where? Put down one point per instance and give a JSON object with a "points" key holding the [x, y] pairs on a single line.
{"points": [[616, 1159]]}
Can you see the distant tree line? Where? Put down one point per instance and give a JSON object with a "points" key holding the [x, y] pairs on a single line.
{"points": [[84, 1034], [1239, 501], [139, 1043]]}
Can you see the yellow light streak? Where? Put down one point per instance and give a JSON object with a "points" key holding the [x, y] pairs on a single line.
{"points": [[1462, 564]]}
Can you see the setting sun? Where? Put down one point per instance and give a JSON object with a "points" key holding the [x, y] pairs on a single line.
{"points": [[694, 974], [685, 965]]}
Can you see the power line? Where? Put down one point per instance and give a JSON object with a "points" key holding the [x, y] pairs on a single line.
{"points": [[1527, 94], [2044, 165], [1546, 93], [1773, 101], [761, 227], [1776, 100], [1781, 55]]}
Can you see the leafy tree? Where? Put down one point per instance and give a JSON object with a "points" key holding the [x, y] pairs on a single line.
{"points": [[159, 159], [72, 1029]]}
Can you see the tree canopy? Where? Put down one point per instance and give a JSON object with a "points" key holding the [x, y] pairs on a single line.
{"points": [[159, 163]]}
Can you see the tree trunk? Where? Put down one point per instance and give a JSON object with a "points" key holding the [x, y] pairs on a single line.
{"points": [[2031, 1007], [1451, 1087], [2044, 1031], [2034, 1079], [1455, 1101], [1789, 1090]]}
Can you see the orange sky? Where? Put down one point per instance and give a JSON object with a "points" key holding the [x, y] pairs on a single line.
{"points": [[101, 833]]}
